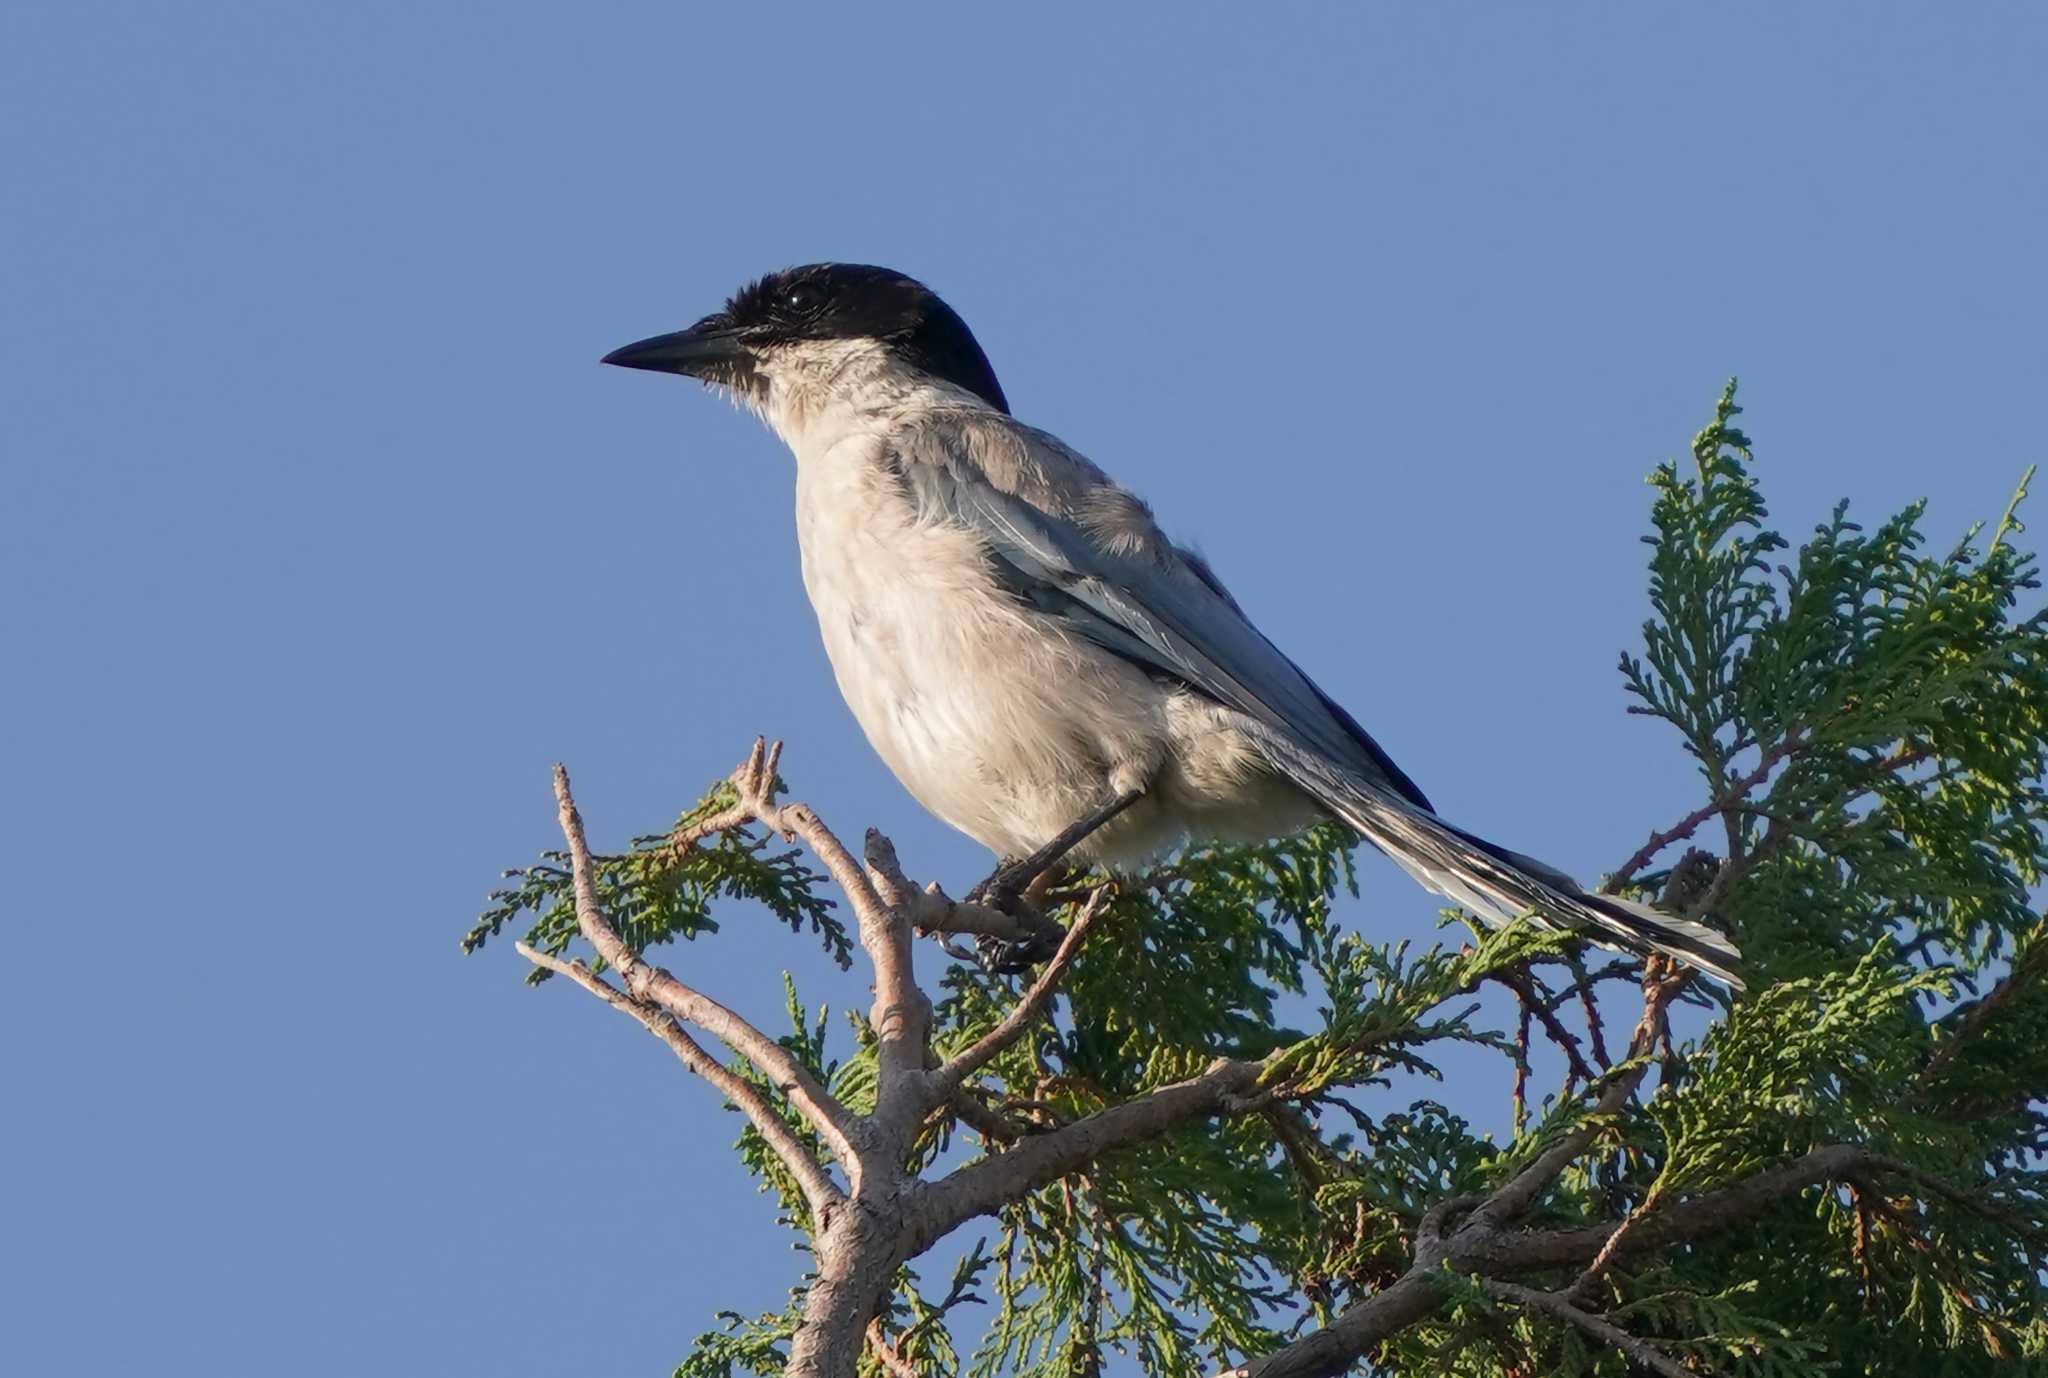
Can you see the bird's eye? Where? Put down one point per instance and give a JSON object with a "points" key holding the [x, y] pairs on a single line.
{"points": [[802, 298]]}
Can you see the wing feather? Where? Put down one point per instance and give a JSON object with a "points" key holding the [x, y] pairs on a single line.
{"points": [[1141, 598]]}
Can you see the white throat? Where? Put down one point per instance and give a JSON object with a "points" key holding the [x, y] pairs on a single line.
{"points": [[821, 391]]}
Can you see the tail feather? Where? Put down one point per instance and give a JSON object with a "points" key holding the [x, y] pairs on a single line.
{"points": [[1499, 885]]}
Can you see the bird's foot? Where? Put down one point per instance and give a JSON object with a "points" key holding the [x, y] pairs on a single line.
{"points": [[1016, 888], [1010, 956], [1003, 887], [1014, 878]]}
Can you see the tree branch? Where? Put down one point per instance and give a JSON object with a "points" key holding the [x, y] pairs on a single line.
{"points": [[754, 780], [1790, 745], [1710, 1212], [2022, 973], [1482, 1247], [651, 984], [949, 1078], [1226, 1087], [1520, 1192], [820, 1192], [901, 1015], [1473, 1245], [988, 1184], [931, 910], [1522, 981], [892, 1360], [1337, 1346], [994, 1125], [1605, 1331]]}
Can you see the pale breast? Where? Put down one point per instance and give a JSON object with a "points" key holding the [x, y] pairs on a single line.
{"points": [[995, 721]]}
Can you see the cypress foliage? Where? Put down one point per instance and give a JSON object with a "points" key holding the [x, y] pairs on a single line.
{"points": [[1869, 717]]}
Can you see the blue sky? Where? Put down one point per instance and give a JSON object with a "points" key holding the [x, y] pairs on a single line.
{"points": [[326, 534]]}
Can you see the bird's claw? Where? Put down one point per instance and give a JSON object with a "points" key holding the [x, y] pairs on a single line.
{"points": [[1003, 887], [1010, 956], [1004, 891]]}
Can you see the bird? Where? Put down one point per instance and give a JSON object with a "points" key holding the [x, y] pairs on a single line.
{"points": [[1034, 659]]}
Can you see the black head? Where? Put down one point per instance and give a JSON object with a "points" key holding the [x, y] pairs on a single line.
{"points": [[822, 301]]}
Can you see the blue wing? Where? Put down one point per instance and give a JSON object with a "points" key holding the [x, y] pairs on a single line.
{"points": [[1163, 611]]}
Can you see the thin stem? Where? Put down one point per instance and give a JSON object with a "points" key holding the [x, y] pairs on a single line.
{"points": [[1561, 1308], [949, 1078], [651, 984], [820, 1192]]}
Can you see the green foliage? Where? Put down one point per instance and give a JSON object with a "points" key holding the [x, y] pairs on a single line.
{"points": [[1902, 691], [740, 1345], [1871, 723], [656, 893]]}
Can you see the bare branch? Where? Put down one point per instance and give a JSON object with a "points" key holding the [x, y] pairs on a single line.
{"points": [[994, 1125], [931, 910], [901, 1015], [897, 1365], [651, 984], [1026, 1012], [2024, 969], [1605, 1331], [820, 1192], [799, 821], [1711, 1212], [987, 1184], [1535, 1002], [1333, 1349], [1522, 1191], [1791, 745], [753, 782]]}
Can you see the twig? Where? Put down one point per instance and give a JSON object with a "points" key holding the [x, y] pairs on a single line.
{"points": [[820, 1192], [1582, 1286], [1561, 1308], [931, 910], [1521, 1090], [1523, 983], [2024, 970], [1523, 1189], [993, 1124], [987, 1184], [1583, 983], [1790, 745], [1009, 880], [886, 1352], [963, 1065], [752, 783], [651, 984], [901, 1014]]}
